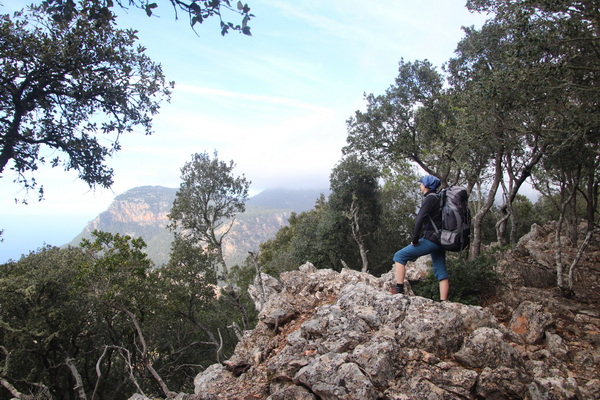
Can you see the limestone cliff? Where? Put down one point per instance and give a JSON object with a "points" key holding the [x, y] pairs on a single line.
{"points": [[143, 211]]}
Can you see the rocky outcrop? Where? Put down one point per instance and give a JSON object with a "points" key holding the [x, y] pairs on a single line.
{"points": [[532, 263], [328, 335]]}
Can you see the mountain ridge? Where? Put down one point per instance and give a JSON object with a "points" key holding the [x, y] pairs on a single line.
{"points": [[143, 212]]}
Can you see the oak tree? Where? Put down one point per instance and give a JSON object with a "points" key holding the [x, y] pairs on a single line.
{"points": [[70, 89], [208, 199], [197, 11]]}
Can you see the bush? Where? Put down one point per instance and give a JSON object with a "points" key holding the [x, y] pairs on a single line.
{"points": [[471, 281]]}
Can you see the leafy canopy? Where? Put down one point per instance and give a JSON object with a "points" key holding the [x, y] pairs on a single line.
{"points": [[197, 11], [208, 199], [64, 84]]}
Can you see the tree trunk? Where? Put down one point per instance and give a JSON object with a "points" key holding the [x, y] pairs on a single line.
{"points": [[475, 249], [515, 185], [558, 253], [14, 392], [261, 286], [584, 244], [505, 210], [565, 200], [356, 234], [78, 381], [144, 352], [591, 196]]}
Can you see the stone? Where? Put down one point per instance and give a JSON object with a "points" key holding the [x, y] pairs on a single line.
{"points": [[530, 322]]}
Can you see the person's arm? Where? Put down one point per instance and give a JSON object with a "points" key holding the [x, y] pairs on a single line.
{"points": [[428, 203]]}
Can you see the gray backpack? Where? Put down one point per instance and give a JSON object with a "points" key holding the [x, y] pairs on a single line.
{"points": [[455, 233]]}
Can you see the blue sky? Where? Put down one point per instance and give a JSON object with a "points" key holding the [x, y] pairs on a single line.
{"points": [[275, 103]]}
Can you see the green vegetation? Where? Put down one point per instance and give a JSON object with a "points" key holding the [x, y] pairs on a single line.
{"points": [[472, 281], [99, 82], [100, 315], [205, 206]]}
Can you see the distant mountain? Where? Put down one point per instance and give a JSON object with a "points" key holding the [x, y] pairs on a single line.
{"points": [[142, 211]]}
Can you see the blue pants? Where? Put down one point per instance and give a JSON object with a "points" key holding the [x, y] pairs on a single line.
{"points": [[438, 256]]}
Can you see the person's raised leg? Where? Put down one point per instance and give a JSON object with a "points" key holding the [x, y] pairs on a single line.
{"points": [[400, 271], [438, 256], [444, 289]]}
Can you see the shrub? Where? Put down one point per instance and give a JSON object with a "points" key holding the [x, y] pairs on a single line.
{"points": [[471, 281]]}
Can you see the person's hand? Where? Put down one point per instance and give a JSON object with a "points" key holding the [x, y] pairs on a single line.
{"points": [[415, 243]]}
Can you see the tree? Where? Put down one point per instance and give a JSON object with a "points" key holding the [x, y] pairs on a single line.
{"points": [[318, 236], [549, 55], [206, 203], [118, 275], [190, 287], [198, 11], [64, 84], [42, 324], [400, 200], [98, 322], [355, 196], [324, 235], [412, 121]]}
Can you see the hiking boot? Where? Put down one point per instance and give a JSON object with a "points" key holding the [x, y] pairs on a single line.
{"points": [[398, 289]]}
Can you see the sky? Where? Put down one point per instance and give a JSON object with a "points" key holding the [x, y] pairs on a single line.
{"points": [[275, 103]]}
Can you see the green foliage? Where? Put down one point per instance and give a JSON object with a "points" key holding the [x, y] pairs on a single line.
{"points": [[400, 199], [115, 260], [66, 83], [311, 236], [355, 203], [411, 121], [203, 213], [103, 306], [471, 281], [207, 201], [47, 318], [323, 236], [529, 78], [198, 11]]}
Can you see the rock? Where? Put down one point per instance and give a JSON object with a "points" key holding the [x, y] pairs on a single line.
{"points": [[530, 322], [329, 335], [440, 328], [212, 377], [556, 346], [419, 269], [486, 347], [324, 334], [261, 290], [557, 388], [502, 383], [332, 377], [290, 392]]}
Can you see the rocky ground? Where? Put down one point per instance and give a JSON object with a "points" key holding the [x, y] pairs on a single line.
{"points": [[329, 335]]}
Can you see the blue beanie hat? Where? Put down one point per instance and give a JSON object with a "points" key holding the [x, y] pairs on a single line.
{"points": [[430, 182]]}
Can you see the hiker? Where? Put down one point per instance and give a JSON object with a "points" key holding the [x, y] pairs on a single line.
{"points": [[429, 243]]}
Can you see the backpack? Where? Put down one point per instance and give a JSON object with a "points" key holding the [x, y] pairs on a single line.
{"points": [[455, 234]]}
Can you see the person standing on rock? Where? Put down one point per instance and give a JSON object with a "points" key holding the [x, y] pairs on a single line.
{"points": [[429, 243]]}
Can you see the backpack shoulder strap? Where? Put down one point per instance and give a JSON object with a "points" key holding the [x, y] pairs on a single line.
{"points": [[439, 196], [435, 228]]}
